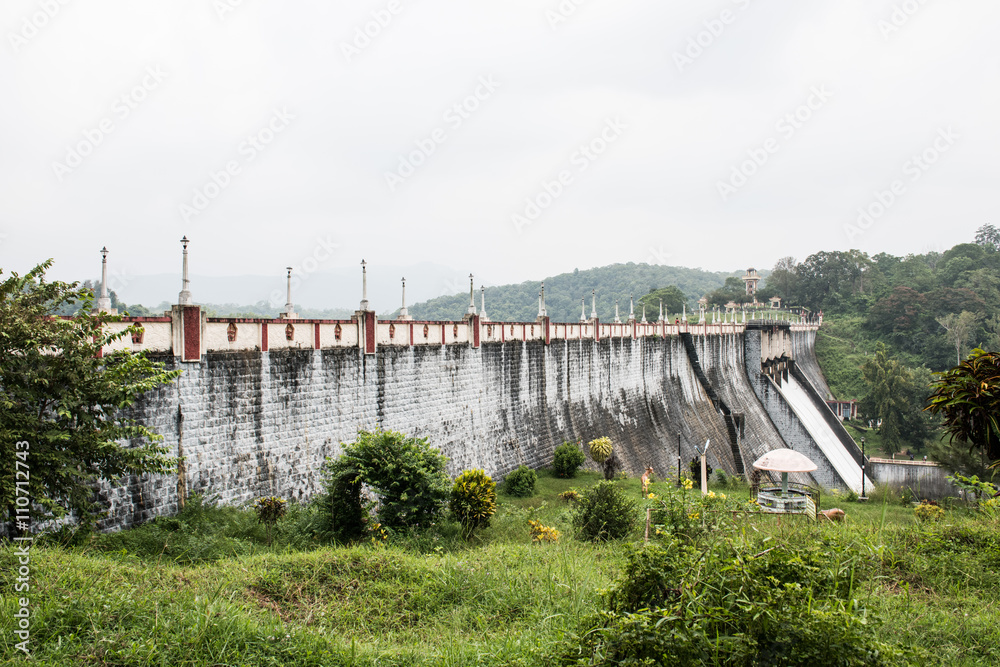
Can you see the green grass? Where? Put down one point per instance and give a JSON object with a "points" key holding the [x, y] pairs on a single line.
{"points": [[152, 596]]}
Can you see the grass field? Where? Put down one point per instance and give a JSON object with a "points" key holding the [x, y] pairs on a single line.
{"points": [[203, 589]]}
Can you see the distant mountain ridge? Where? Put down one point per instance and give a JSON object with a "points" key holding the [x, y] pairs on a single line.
{"points": [[563, 293]]}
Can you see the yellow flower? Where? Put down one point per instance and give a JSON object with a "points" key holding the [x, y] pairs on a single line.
{"points": [[652, 496], [693, 516], [722, 495], [688, 484], [711, 494]]}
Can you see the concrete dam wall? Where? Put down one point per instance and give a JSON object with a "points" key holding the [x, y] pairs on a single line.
{"points": [[252, 423], [262, 403]]}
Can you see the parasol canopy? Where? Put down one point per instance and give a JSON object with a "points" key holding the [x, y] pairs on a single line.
{"points": [[784, 460]]}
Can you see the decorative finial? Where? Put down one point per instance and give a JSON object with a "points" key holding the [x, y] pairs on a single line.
{"points": [[364, 285], [482, 304], [583, 309], [593, 304], [289, 313], [404, 314], [472, 297], [104, 303], [184, 298]]}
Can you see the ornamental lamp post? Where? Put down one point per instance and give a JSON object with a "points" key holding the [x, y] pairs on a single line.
{"points": [[862, 467]]}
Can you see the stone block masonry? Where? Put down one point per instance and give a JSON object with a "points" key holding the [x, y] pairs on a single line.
{"points": [[262, 403], [249, 423]]}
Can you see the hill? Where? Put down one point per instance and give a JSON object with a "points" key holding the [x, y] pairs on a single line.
{"points": [[564, 291]]}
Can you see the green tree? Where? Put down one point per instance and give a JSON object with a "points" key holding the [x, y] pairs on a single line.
{"points": [[967, 397], [890, 386], [406, 473], [783, 279], [66, 403], [988, 236], [958, 329], [672, 297]]}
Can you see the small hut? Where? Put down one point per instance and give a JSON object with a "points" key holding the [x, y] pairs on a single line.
{"points": [[790, 497]]}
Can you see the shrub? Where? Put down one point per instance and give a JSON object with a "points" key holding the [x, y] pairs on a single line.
{"points": [[540, 533], [571, 495], [406, 475], [474, 500], [600, 449], [674, 604], [520, 482], [605, 513], [567, 458], [722, 478], [269, 510], [927, 512]]}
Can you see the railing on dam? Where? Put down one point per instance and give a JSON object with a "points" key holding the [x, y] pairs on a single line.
{"points": [[189, 333]]}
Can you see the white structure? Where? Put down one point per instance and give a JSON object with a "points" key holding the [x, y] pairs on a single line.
{"points": [[404, 314], [472, 297], [184, 298], [289, 313], [104, 302], [364, 286]]}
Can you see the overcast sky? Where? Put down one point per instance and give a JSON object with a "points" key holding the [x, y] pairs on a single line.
{"points": [[513, 139]]}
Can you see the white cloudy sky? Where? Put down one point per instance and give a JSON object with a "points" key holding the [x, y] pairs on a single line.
{"points": [[651, 196]]}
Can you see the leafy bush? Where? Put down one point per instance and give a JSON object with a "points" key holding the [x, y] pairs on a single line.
{"points": [[927, 512], [567, 458], [474, 500], [520, 482], [406, 475], [605, 513], [540, 533], [269, 510], [684, 603], [572, 495], [600, 449]]}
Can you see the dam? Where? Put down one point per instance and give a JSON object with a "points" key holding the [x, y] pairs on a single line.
{"points": [[261, 403]]}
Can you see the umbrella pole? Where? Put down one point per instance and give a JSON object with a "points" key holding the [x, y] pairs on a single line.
{"points": [[784, 484]]}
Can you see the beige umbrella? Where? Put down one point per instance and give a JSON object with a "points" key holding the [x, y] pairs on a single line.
{"points": [[784, 461]]}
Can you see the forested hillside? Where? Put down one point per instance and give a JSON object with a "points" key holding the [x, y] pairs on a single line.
{"points": [[564, 291], [890, 322]]}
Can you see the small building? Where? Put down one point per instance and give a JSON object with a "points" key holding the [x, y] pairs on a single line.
{"points": [[845, 410], [775, 302]]}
